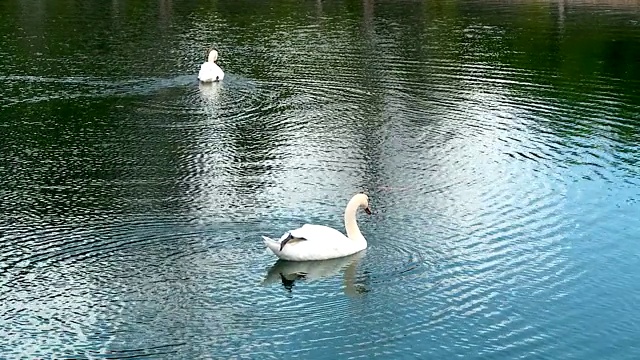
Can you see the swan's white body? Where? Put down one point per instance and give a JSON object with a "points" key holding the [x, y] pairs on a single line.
{"points": [[317, 242], [209, 70]]}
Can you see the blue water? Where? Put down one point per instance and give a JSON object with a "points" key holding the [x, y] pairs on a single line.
{"points": [[497, 141]]}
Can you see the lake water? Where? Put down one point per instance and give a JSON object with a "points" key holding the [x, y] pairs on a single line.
{"points": [[499, 142]]}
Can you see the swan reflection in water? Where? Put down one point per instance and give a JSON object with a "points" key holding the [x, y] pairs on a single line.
{"points": [[288, 272], [210, 92]]}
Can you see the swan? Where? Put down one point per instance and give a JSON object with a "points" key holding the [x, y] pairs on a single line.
{"points": [[317, 242], [209, 70]]}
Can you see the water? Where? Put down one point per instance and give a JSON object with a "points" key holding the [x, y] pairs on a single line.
{"points": [[498, 142]]}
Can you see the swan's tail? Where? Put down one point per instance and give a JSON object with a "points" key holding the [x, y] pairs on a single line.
{"points": [[271, 244]]}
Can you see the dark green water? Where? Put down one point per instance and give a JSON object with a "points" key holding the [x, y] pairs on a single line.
{"points": [[498, 142]]}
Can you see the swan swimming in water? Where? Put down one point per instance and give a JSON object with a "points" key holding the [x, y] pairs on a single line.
{"points": [[317, 242], [209, 70]]}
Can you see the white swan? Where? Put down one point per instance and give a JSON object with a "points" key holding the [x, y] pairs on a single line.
{"points": [[209, 70], [317, 242]]}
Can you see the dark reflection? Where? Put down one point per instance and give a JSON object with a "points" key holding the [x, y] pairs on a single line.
{"points": [[561, 51], [253, 141], [290, 272]]}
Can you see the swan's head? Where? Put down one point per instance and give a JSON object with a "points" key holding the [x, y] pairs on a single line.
{"points": [[363, 201], [213, 55]]}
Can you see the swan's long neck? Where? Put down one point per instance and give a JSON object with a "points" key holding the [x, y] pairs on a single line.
{"points": [[213, 56], [350, 224]]}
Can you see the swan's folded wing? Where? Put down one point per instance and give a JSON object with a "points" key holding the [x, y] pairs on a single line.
{"points": [[210, 72], [316, 232], [287, 238], [313, 233]]}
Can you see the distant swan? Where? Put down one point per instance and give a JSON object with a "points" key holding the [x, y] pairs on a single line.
{"points": [[317, 242], [209, 70]]}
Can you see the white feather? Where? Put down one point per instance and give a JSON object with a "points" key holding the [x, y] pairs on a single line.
{"points": [[209, 70]]}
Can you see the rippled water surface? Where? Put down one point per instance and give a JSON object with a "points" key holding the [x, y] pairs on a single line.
{"points": [[498, 142]]}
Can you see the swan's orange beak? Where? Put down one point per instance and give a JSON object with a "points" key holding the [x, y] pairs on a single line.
{"points": [[367, 210]]}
